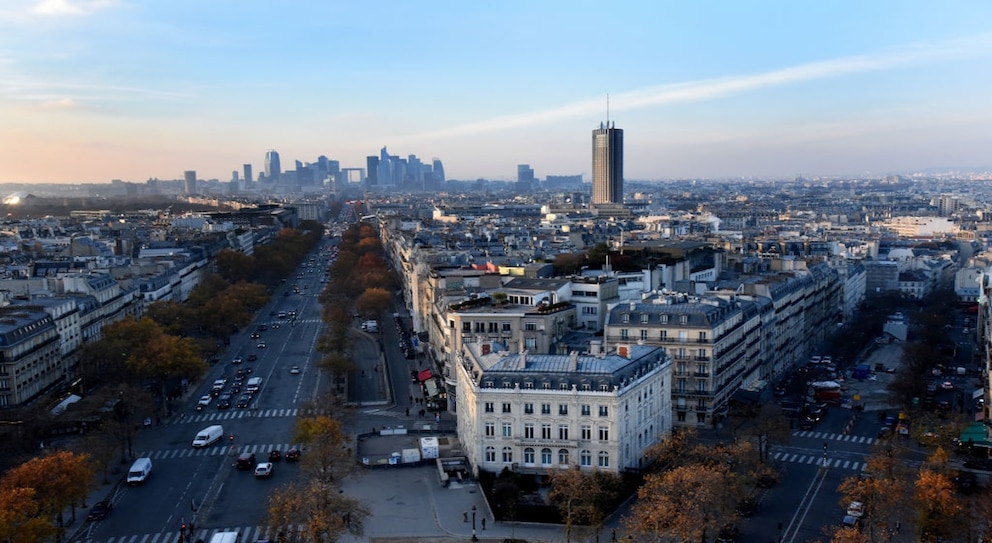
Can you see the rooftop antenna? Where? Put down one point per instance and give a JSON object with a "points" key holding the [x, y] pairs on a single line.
{"points": [[607, 110]]}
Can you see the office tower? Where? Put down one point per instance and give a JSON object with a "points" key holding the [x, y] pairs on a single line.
{"points": [[438, 171], [607, 165], [248, 176], [272, 168], [525, 174], [372, 170], [189, 182]]}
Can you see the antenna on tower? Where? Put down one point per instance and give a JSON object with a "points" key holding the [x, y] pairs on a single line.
{"points": [[607, 110]]}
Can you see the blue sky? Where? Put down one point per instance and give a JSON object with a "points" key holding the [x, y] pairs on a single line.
{"points": [[94, 90]]}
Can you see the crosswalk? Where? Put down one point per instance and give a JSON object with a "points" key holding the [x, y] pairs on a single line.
{"points": [[232, 414], [818, 460], [261, 451], [247, 534], [835, 437]]}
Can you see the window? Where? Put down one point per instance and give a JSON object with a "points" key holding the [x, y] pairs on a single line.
{"points": [[644, 334], [545, 431], [585, 410], [562, 431], [506, 407], [466, 326], [664, 319], [507, 455], [546, 386], [563, 457], [529, 407], [604, 433], [507, 429], [546, 456], [586, 432], [624, 333], [589, 310], [663, 335], [530, 343], [700, 418], [625, 317], [562, 409], [700, 386], [490, 454], [529, 430], [604, 411], [644, 318], [585, 458], [490, 407], [683, 319], [680, 416], [530, 326], [490, 429], [505, 326], [528, 455], [604, 459], [702, 336], [546, 408]]}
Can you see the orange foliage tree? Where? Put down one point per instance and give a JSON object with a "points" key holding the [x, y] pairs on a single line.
{"points": [[59, 480]]}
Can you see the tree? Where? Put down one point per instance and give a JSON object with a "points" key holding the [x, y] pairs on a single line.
{"points": [[60, 479], [373, 301], [937, 508], [689, 503], [770, 426], [329, 456], [572, 491], [234, 266], [21, 519], [316, 511], [569, 263]]}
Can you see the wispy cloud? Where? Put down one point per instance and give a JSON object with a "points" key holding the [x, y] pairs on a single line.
{"points": [[708, 89], [70, 7]]}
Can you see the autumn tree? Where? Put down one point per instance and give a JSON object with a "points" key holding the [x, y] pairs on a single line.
{"points": [[314, 511], [20, 517], [329, 455], [373, 301], [569, 263], [938, 509], [583, 497], [59, 480], [234, 266], [689, 503], [769, 427]]}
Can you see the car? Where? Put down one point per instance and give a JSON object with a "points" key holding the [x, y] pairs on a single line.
{"points": [[263, 470], [292, 455], [275, 326], [780, 392], [237, 360], [856, 509], [100, 510], [255, 335], [944, 405], [727, 534], [261, 345], [947, 385], [243, 401], [294, 370], [240, 373], [262, 327], [235, 389], [252, 358], [245, 461], [224, 401], [275, 455], [204, 401]]}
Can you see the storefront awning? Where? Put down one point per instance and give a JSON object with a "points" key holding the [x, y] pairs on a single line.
{"points": [[424, 375], [975, 434]]}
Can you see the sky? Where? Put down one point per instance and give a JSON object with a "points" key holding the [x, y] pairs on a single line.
{"points": [[95, 90]]}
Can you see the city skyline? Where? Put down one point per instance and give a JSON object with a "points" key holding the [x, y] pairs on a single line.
{"points": [[94, 90]]}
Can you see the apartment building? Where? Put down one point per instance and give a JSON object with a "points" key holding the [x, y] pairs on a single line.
{"points": [[30, 354], [530, 413]]}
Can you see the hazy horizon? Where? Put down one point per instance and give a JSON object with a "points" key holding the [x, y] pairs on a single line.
{"points": [[95, 90]]}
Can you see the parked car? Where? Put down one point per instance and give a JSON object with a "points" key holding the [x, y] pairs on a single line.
{"points": [[263, 470], [100, 510]]}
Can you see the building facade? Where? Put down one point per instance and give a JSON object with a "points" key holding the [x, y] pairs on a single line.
{"points": [[607, 165], [530, 413]]}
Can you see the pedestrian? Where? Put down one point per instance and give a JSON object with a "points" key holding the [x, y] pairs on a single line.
{"points": [[411, 398], [408, 411], [613, 536], [464, 516], [483, 523]]}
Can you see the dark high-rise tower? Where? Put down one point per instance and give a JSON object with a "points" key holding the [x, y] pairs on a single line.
{"points": [[272, 168], [607, 165], [248, 176], [189, 182]]}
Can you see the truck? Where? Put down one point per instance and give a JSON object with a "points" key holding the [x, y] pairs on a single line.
{"points": [[826, 391], [225, 537], [208, 436], [253, 385], [140, 469]]}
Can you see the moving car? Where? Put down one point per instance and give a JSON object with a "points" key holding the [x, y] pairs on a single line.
{"points": [[261, 345], [263, 470], [237, 360], [100, 510], [243, 401], [292, 455], [204, 402], [224, 402], [294, 370], [245, 461], [208, 436], [275, 455]]}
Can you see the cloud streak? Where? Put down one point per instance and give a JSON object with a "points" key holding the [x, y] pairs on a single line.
{"points": [[74, 8], [709, 89]]}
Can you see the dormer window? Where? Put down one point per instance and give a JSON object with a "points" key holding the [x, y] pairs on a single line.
{"points": [[625, 317], [644, 318], [683, 319]]}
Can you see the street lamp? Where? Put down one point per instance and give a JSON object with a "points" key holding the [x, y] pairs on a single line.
{"points": [[474, 537]]}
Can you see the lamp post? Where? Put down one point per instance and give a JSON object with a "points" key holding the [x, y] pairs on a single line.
{"points": [[474, 537]]}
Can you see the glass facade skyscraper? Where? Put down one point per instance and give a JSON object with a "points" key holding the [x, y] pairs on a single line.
{"points": [[272, 167]]}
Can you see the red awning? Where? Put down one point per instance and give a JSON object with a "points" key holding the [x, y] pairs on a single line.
{"points": [[424, 375]]}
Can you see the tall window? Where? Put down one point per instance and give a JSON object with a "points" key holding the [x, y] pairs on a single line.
{"points": [[506, 407], [490, 429], [546, 431], [604, 411], [546, 456], [507, 429], [585, 458], [585, 410], [490, 454], [529, 407], [562, 431], [604, 433], [545, 409], [563, 457], [562, 409], [507, 455], [490, 407], [529, 455], [529, 430], [586, 433], [604, 459]]}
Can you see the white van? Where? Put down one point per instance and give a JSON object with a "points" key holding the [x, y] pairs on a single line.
{"points": [[139, 471], [253, 385], [208, 436], [225, 537]]}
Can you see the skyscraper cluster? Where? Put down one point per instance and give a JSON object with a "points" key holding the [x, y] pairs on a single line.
{"points": [[407, 173]]}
